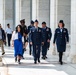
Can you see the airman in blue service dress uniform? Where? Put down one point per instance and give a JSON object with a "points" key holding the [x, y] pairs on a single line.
{"points": [[29, 28], [61, 37], [46, 33], [36, 39]]}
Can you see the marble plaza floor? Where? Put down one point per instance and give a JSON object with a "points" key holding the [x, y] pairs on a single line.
{"points": [[50, 66]]}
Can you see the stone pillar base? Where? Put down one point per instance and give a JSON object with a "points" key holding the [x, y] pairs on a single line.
{"points": [[72, 59], [1, 61]]}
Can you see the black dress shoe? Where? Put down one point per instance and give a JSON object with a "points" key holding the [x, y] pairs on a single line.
{"points": [[30, 53], [61, 63], [43, 58], [15, 59], [23, 58], [38, 61], [35, 62], [3, 53], [19, 61]]}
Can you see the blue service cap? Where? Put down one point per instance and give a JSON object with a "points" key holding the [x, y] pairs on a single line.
{"points": [[61, 21], [36, 20], [32, 22]]}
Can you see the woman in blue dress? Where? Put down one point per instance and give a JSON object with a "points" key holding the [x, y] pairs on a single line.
{"points": [[17, 43]]}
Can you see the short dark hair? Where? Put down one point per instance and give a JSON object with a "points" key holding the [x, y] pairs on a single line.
{"points": [[21, 31], [43, 22], [8, 24]]}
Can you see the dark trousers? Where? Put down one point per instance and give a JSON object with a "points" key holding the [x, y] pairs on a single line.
{"points": [[48, 45], [25, 40], [30, 49], [60, 56], [44, 49], [9, 38], [36, 52]]}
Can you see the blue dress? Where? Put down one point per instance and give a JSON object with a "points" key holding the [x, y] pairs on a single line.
{"points": [[18, 46]]}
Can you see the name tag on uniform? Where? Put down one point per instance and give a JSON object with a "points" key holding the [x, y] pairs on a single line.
{"points": [[58, 32], [64, 31], [39, 30]]}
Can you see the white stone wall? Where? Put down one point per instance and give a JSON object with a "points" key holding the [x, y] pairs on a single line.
{"points": [[9, 13], [64, 12], [44, 12], [25, 11]]}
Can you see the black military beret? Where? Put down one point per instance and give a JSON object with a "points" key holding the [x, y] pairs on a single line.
{"points": [[36, 20], [61, 21], [23, 20], [32, 22]]}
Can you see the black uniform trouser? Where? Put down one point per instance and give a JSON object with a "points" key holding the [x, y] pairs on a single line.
{"points": [[30, 49], [44, 49], [36, 52], [60, 56], [48, 45], [9, 38]]}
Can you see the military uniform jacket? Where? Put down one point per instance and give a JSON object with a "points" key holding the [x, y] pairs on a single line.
{"points": [[25, 30], [29, 28], [3, 35], [46, 33], [36, 36], [61, 37]]}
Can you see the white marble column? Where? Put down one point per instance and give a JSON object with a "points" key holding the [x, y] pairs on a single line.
{"points": [[2, 13], [1, 20], [53, 14], [53, 18], [17, 12], [35, 9], [72, 55]]}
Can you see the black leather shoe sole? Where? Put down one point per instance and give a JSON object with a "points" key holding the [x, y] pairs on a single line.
{"points": [[35, 62], [3, 53]]}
